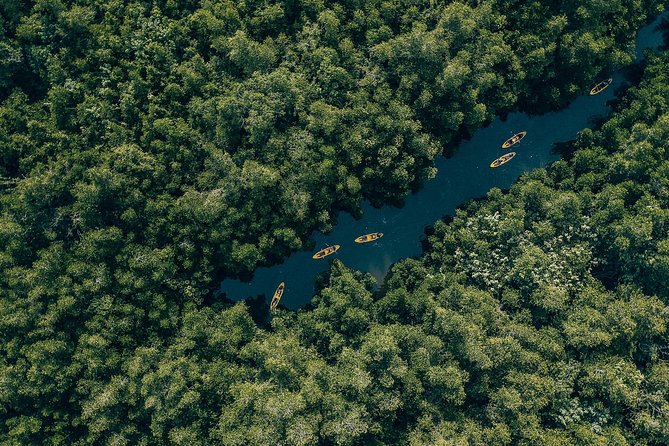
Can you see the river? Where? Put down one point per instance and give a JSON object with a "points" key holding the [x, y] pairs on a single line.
{"points": [[462, 177]]}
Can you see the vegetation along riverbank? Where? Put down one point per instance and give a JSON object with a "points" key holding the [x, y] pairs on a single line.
{"points": [[150, 148]]}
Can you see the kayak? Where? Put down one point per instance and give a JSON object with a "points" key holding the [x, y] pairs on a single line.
{"points": [[277, 296], [515, 139], [369, 237], [600, 86], [325, 252], [502, 160]]}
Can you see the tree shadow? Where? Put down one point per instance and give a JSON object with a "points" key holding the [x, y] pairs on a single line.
{"points": [[664, 29], [564, 150], [257, 306]]}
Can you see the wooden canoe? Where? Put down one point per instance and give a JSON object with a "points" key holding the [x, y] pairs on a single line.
{"points": [[325, 252], [277, 296], [600, 86], [515, 139], [502, 160], [369, 237]]}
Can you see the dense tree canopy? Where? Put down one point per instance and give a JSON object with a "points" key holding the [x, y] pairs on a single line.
{"points": [[151, 147], [222, 133]]}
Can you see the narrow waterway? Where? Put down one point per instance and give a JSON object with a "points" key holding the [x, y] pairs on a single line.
{"points": [[465, 176]]}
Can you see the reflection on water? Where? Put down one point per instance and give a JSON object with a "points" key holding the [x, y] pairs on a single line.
{"points": [[464, 176]]}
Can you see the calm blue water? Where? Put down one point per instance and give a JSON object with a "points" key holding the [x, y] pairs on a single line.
{"points": [[464, 176]]}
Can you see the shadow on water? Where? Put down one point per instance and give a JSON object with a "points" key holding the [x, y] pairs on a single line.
{"points": [[258, 310], [664, 28], [256, 305], [463, 178], [564, 149]]}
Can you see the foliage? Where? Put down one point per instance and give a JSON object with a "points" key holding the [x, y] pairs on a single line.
{"points": [[150, 148]]}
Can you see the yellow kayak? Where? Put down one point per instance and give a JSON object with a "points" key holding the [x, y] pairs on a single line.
{"points": [[515, 139], [600, 86], [369, 237], [502, 160], [325, 252], [277, 296]]}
